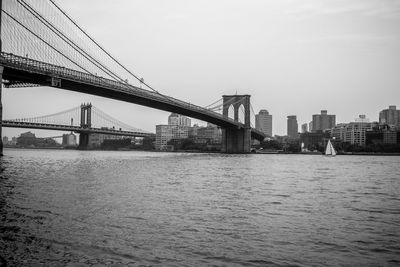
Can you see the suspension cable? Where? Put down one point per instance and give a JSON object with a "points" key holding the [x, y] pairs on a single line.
{"points": [[99, 46], [65, 39], [41, 39]]}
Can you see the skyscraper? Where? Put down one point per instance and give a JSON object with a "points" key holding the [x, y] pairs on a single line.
{"points": [[264, 122], [292, 126], [390, 116], [323, 121]]}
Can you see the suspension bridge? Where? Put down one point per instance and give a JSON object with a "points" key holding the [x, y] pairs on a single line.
{"points": [[84, 119], [41, 45]]}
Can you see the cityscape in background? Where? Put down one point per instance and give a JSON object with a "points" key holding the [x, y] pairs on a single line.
{"points": [[360, 135]]}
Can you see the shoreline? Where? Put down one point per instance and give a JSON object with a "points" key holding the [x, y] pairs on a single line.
{"points": [[194, 151]]}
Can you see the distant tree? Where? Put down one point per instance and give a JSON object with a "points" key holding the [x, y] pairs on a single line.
{"points": [[271, 144], [148, 143]]}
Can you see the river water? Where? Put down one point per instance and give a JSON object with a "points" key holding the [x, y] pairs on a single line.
{"points": [[96, 208]]}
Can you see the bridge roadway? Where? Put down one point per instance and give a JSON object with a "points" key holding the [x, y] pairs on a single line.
{"points": [[78, 129], [22, 70]]}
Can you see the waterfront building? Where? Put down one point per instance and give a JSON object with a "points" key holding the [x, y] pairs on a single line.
{"points": [[323, 121], [193, 131], [26, 139], [382, 134], [390, 116], [310, 126], [69, 139], [177, 119], [292, 127], [264, 122], [97, 139], [209, 134], [339, 131], [353, 132], [165, 133], [5, 140], [179, 127]]}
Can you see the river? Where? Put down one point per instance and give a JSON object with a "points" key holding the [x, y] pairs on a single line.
{"points": [[126, 208]]}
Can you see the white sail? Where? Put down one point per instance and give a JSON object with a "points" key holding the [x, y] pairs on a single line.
{"points": [[330, 151]]}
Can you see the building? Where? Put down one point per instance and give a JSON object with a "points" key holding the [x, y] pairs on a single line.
{"points": [[292, 127], [210, 134], [323, 121], [5, 140], [264, 122], [339, 131], [97, 139], [29, 139], [304, 128], [353, 132], [179, 127], [390, 116], [69, 139], [165, 133], [177, 119], [382, 134], [26, 139]]}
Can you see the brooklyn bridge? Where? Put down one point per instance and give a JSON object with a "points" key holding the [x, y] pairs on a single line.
{"points": [[41, 45]]}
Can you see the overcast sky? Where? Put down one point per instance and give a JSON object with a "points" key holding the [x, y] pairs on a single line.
{"points": [[293, 57]]}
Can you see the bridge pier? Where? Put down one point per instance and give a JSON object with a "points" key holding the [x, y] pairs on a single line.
{"points": [[237, 140], [83, 141]]}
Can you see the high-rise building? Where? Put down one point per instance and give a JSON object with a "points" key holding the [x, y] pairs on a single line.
{"points": [[292, 126], [304, 128], [264, 122], [390, 116], [323, 121], [177, 119]]}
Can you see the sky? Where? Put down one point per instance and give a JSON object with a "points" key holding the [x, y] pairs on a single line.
{"points": [[294, 57]]}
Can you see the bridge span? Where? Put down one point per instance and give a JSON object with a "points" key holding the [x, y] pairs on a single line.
{"points": [[39, 48]]}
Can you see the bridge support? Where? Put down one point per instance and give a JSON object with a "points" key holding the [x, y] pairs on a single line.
{"points": [[237, 140], [86, 122], [83, 141]]}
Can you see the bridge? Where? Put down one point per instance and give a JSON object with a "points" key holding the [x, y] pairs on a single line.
{"points": [[84, 119], [42, 46]]}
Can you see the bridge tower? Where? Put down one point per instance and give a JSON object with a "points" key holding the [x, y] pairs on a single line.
{"points": [[86, 122], [237, 140]]}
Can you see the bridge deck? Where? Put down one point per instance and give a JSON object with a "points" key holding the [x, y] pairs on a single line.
{"points": [[26, 70], [69, 128]]}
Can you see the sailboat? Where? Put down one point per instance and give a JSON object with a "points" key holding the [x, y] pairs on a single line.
{"points": [[330, 151]]}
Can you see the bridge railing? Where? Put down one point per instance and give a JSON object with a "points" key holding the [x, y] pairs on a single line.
{"points": [[55, 71]]}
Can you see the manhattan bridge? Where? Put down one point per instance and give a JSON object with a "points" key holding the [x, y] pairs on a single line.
{"points": [[41, 45]]}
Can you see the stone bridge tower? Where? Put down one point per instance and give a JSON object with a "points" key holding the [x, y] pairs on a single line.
{"points": [[237, 140]]}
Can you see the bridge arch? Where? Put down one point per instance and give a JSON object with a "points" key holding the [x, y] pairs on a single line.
{"points": [[231, 112]]}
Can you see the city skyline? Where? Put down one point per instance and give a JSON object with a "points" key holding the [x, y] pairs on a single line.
{"points": [[325, 54]]}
